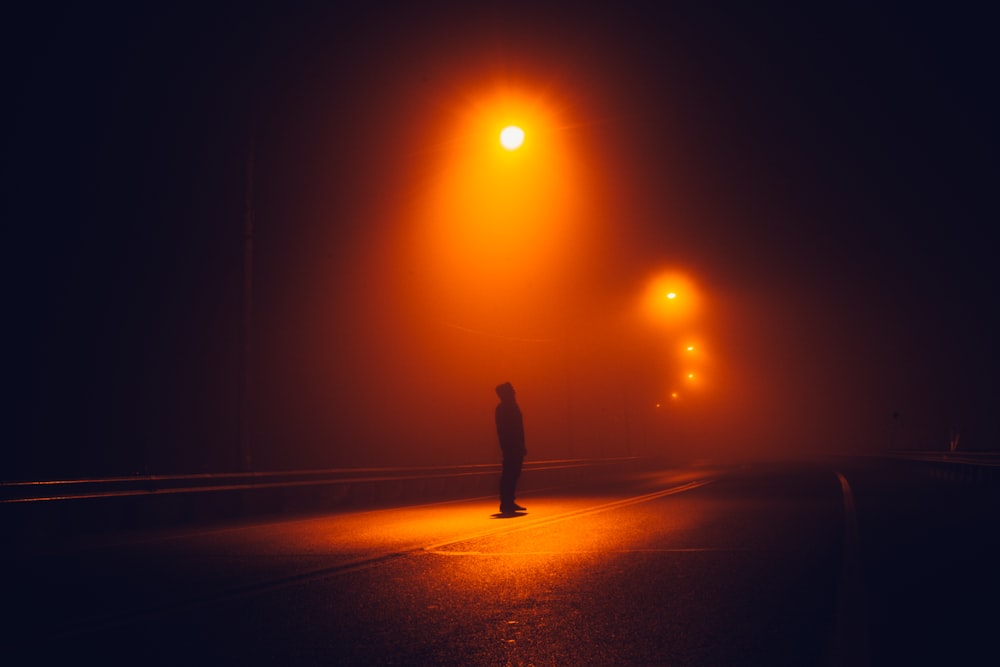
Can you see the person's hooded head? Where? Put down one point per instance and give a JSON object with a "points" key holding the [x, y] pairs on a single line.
{"points": [[505, 391]]}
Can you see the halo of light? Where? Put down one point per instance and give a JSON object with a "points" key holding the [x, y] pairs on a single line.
{"points": [[511, 137]]}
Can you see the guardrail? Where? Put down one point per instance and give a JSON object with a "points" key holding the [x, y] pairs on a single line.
{"points": [[979, 468], [59, 507]]}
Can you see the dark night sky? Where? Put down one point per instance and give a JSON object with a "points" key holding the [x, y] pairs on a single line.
{"points": [[828, 175]]}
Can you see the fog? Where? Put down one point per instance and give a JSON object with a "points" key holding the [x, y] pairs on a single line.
{"points": [[404, 263]]}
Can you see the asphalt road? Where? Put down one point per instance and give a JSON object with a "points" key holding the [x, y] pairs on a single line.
{"points": [[823, 563]]}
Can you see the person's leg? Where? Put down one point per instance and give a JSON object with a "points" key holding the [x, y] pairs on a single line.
{"points": [[508, 483], [506, 489]]}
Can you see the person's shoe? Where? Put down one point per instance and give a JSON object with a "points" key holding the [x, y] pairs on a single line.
{"points": [[508, 510], [518, 508]]}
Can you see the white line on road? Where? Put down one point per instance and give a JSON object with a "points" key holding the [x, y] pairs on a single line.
{"points": [[579, 552], [849, 643]]}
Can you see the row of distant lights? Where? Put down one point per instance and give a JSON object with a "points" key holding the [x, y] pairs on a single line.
{"points": [[690, 348], [690, 376]]}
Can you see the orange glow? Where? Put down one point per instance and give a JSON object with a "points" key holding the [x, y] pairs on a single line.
{"points": [[496, 217], [479, 271], [690, 353], [699, 359], [671, 298]]}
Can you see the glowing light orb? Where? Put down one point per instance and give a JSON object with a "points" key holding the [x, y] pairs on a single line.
{"points": [[670, 298], [511, 137]]}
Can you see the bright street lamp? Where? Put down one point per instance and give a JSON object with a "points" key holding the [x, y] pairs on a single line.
{"points": [[511, 137]]}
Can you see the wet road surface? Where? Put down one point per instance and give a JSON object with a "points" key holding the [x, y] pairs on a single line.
{"points": [[845, 563]]}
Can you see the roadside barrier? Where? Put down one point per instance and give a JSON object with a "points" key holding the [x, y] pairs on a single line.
{"points": [[980, 469]]}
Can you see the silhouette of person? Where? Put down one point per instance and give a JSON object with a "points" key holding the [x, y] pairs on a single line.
{"points": [[510, 431]]}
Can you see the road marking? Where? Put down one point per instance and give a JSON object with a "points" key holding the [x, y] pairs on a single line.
{"points": [[849, 641], [583, 552]]}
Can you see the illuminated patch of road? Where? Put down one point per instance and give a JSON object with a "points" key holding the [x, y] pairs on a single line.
{"points": [[272, 584], [573, 514]]}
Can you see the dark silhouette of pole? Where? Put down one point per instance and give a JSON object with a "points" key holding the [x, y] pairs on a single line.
{"points": [[244, 459]]}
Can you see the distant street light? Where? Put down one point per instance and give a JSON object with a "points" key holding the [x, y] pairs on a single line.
{"points": [[670, 298]]}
